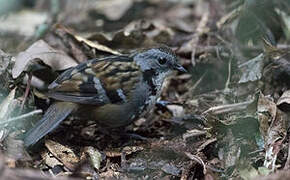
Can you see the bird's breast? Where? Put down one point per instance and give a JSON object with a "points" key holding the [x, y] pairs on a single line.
{"points": [[141, 100], [146, 96]]}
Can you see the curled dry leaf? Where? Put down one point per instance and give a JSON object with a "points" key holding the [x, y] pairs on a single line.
{"points": [[56, 59], [50, 160], [63, 154], [78, 46], [273, 134], [276, 135]]}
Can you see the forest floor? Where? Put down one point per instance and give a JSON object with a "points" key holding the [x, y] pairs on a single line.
{"points": [[226, 118]]}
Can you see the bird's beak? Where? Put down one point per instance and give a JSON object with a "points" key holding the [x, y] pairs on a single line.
{"points": [[178, 67]]}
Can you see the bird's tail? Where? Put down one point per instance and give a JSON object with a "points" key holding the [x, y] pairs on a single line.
{"points": [[55, 114]]}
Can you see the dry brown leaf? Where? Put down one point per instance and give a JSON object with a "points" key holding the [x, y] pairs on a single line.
{"points": [[137, 34], [273, 134], [63, 154], [266, 113], [127, 150], [25, 174], [79, 45], [94, 156], [56, 59], [50, 160], [275, 138]]}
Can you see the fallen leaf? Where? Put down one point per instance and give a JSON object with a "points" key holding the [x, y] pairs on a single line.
{"points": [[94, 156], [137, 34], [63, 154], [56, 59], [275, 138], [252, 69], [127, 150], [266, 110], [5, 106], [80, 47], [50, 160], [273, 134]]}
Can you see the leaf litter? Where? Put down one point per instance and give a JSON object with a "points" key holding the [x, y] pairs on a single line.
{"points": [[226, 118]]}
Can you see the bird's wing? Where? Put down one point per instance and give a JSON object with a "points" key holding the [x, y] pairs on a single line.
{"points": [[97, 81]]}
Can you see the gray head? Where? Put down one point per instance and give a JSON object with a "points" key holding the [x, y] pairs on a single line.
{"points": [[160, 59]]}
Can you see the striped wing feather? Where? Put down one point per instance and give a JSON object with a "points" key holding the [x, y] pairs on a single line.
{"points": [[97, 81]]}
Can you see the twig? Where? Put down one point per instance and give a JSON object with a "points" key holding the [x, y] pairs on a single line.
{"points": [[193, 133], [26, 91], [197, 159], [32, 113], [200, 30], [203, 145], [229, 75], [193, 88], [228, 108], [228, 18]]}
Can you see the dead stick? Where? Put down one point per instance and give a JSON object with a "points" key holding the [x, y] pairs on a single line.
{"points": [[26, 91]]}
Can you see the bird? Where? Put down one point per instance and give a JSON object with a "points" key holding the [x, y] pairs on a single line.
{"points": [[113, 91]]}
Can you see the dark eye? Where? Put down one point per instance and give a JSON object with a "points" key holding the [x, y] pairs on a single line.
{"points": [[162, 60]]}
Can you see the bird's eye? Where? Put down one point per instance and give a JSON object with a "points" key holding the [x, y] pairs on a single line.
{"points": [[162, 60]]}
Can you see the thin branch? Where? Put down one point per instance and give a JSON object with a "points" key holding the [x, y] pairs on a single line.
{"points": [[32, 113]]}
